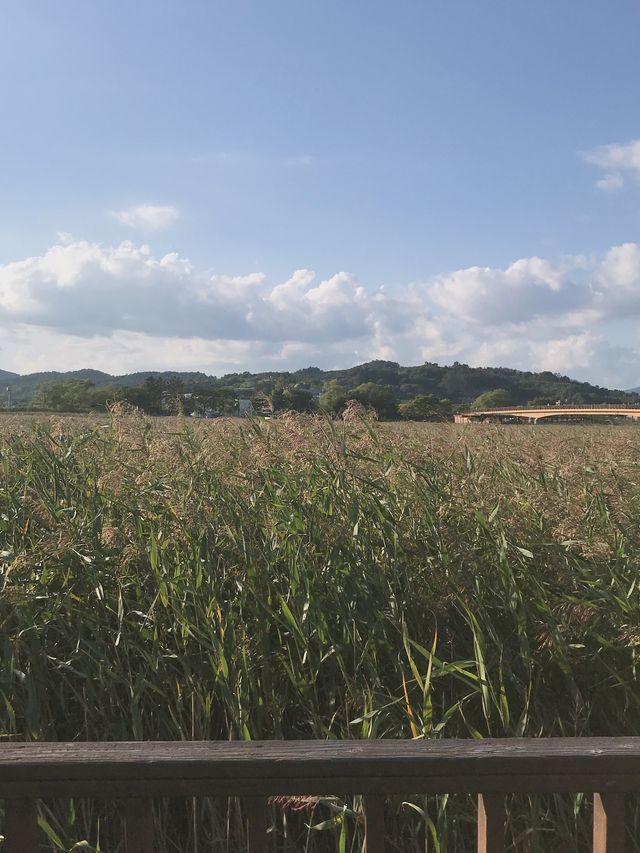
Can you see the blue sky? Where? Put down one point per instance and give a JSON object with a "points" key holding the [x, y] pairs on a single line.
{"points": [[462, 177]]}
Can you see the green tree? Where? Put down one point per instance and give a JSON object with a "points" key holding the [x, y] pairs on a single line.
{"points": [[149, 397], [224, 401], [542, 401], [173, 396], [334, 397], [289, 398], [219, 400], [64, 395], [495, 399], [426, 407], [152, 394], [101, 397], [379, 397]]}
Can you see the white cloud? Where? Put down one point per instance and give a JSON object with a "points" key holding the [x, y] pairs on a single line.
{"points": [[610, 182], [525, 289], [121, 308], [568, 353], [620, 269], [616, 282], [149, 217], [619, 161], [119, 352], [85, 289]]}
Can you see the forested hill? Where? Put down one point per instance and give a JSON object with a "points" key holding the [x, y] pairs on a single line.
{"points": [[457, 382], [462, 384]]}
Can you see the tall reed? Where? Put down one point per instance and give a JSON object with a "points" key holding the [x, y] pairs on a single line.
{"points": [[306, 579]]}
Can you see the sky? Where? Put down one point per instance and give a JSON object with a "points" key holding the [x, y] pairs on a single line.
{"points": [[252, 185]]}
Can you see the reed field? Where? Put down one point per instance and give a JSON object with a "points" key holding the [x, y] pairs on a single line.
{"points": [[302, 578]]}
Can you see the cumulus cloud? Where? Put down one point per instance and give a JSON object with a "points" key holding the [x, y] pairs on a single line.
{"points": [[527, 288], [570, 353], [619, 161], [619, 272], [122, 308], [85, 289], [616, 283], [149, 217]]}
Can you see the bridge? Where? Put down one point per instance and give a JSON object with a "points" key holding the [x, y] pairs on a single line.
{"points": [[533, 414]]}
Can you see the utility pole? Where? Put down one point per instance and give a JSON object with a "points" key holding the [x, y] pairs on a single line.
{"points": [[8, 397]]}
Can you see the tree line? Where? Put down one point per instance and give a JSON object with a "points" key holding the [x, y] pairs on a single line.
{"points": [[423, 392], [157, 396], [160, 397]]}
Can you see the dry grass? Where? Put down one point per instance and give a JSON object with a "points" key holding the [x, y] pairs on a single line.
{"points": [[287, 579]]}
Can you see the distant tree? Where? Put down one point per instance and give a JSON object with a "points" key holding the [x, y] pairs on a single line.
{"points": [[152, 395], [307, 373], [278, 401], [542, 401], [492, 399], [135, 396], [379, 397], [426, 407], [334, 397], [102, 396], [577, 399], [149, 396], [409, 390], [289, 398], [378, 371], [173, 396], [266, 386], [224, 401], [64, 395]]}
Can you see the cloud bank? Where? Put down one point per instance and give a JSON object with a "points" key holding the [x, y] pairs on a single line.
{"points": [[121, 308]]}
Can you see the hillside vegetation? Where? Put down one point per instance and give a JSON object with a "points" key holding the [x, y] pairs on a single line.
{"points": [[302, 578], [457, 383]]}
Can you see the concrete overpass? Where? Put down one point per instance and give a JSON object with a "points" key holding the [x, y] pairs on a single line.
{"points": [[533, 414]]}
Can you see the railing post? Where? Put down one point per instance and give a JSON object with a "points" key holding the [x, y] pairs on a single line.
{"points": [[139, 831], [21, 826], [490, 823], [608, 823], [374, 823], [257, 824]]}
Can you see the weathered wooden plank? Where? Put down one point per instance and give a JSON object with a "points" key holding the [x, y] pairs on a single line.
{"points": [[318, 767], [284, 758], [256, 809], [490, 823], [374, 823], [508, 749], [608, 823], [139, 829], [22, 834]]}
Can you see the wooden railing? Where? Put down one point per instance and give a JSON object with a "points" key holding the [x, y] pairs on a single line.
{"points": [[137, 772]]}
